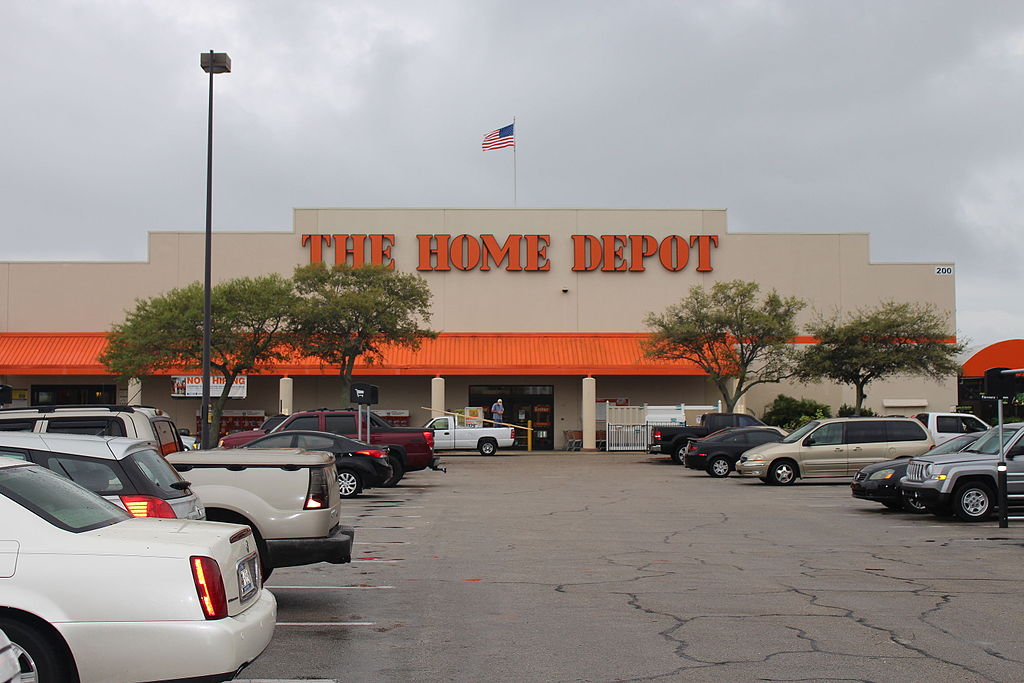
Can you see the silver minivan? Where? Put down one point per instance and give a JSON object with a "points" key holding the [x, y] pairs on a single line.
{"points": [[130, 473], [835, 447]]}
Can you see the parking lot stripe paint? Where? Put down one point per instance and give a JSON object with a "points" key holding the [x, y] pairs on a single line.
{"points": [[327, 623], [331, 588]]}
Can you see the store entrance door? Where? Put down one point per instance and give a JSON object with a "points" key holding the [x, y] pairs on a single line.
{"points": [[525, 405]]}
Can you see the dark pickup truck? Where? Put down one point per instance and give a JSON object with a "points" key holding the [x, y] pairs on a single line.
{"points": [[672, 440], [411, 448]]}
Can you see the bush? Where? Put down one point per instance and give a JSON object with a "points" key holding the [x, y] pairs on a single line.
{"points": [[848, 411], [789, 413]]}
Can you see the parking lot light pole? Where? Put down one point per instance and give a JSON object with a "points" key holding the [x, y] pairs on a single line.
{"points": [[212, 63]]}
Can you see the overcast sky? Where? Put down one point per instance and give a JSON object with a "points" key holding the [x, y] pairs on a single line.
{"points": [[902, 118]]}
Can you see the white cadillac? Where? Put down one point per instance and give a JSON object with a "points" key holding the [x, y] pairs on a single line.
{"points": [[90, 593]]}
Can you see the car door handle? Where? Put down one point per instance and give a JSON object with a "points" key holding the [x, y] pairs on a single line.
{"points": [[856, 448], [838, 450]]}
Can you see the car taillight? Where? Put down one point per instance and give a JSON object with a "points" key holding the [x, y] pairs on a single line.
{"points": [[656, 435], [209, 587], [373, 453], [429, 436], [317, 496], [148, 506]]}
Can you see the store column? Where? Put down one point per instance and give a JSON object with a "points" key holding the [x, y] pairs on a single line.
{"points": [[436, 397], [284, 391], [589, 414]]}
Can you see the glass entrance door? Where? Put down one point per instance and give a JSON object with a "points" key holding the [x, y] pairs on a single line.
{"points": [[525, 405]]}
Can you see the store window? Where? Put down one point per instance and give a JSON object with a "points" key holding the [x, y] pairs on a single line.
{"points": [[73, 394]]}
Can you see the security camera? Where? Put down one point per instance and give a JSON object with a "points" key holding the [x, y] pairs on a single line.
{"points": [[565, 290]]}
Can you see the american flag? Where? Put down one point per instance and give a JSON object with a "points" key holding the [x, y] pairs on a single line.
{"points": [[503, 137]]}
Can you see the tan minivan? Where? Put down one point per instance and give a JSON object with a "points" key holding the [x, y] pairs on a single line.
{"points": [[835, 447]]}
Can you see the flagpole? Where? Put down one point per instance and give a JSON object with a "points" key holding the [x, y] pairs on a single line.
{"points": [[515, 170]]}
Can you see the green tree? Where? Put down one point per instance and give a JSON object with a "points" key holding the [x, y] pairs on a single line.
{"points": [[249, 323], [888, 340], [346, 312], [738, 338], [789, 413]]}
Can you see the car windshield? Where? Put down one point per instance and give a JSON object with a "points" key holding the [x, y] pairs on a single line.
{"points": [[58, 500], [954, 445], [802, 432], [988, 444]]}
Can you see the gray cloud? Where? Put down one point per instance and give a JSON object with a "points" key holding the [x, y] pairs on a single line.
{"points": [[899, 119]]}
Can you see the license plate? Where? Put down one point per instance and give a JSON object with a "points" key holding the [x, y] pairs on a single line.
{"points": [[248, 577]]}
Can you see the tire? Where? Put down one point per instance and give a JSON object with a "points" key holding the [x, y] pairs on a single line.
{"points": [[719, 466], [350, 484], [397, 471], [678, 454], [782, 473], [973, 502], [38, 653], [487, 447]]}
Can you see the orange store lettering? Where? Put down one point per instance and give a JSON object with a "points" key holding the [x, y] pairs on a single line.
{"points": [[440, 252]]}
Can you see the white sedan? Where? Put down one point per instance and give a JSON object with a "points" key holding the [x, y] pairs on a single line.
{"points": [[88, 592]]}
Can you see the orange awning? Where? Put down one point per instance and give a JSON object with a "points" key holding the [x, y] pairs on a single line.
{"points": [[1004, 354], [453, 353]]}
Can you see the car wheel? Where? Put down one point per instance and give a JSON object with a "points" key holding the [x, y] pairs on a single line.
{"points": [[973, 502], [40, 660], [487, 448], [350, 484], [782, 473], [719, 466], [678, 455], [397, 471]]}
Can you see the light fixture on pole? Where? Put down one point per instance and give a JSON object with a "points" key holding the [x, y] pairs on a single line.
{"points": [[212, 63]]}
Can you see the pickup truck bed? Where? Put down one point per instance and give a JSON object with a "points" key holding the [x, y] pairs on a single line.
{"points": [[288, 497], [672, 439]]}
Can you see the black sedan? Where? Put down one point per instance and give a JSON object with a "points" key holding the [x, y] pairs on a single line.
{"points": [[360, 465], [880, 481], [717, 453]]}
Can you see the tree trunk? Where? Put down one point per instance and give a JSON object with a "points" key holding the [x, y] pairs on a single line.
{"points": [[860, 398]]}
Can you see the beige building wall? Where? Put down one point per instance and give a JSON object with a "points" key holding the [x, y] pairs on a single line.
{"points": [[830, 271]]}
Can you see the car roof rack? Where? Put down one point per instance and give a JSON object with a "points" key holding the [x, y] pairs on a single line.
{"points": [[79, 406]]}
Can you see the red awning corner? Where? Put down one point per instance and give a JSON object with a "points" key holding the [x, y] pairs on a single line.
{"points": [[1004, 354]]}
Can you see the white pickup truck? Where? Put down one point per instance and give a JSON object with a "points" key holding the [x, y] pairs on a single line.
{"points": [[944, 426], [450, 436], [289, 497]]}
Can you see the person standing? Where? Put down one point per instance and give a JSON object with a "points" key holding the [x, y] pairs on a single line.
{"points": [[498, 411]]}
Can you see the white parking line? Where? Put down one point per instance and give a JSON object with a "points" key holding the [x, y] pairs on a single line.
{"points": [[390, 516], [380, 542], [332, 588], [327, 623]]}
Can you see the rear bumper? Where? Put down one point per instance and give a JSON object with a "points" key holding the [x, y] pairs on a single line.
{"points": [[335, 548], [216, 649]]}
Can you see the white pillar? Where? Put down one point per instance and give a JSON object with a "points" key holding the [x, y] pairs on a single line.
{"points": [[436, 397], [285, 406], [589, 414], [134, 392]]}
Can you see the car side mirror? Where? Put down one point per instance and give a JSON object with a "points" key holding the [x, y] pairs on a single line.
{"points": [[809, 441], [1015, 451]]}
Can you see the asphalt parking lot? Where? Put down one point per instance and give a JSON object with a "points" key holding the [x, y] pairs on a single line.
{"points": [[624, 567]]}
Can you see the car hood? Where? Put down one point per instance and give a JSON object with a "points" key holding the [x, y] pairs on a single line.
{"points": [[894, 464], [954, 458]]}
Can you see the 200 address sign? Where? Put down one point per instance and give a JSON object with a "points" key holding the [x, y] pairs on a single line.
{"points": [[943, 270]]}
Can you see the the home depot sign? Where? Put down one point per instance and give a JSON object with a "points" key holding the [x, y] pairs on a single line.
{"points": [[611, 253]]}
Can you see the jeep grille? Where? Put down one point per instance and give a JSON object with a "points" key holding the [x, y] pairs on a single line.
{"points": [[915, 471]]}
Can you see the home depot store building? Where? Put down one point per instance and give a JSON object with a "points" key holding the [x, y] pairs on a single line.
{"points": [[543, 308]]}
